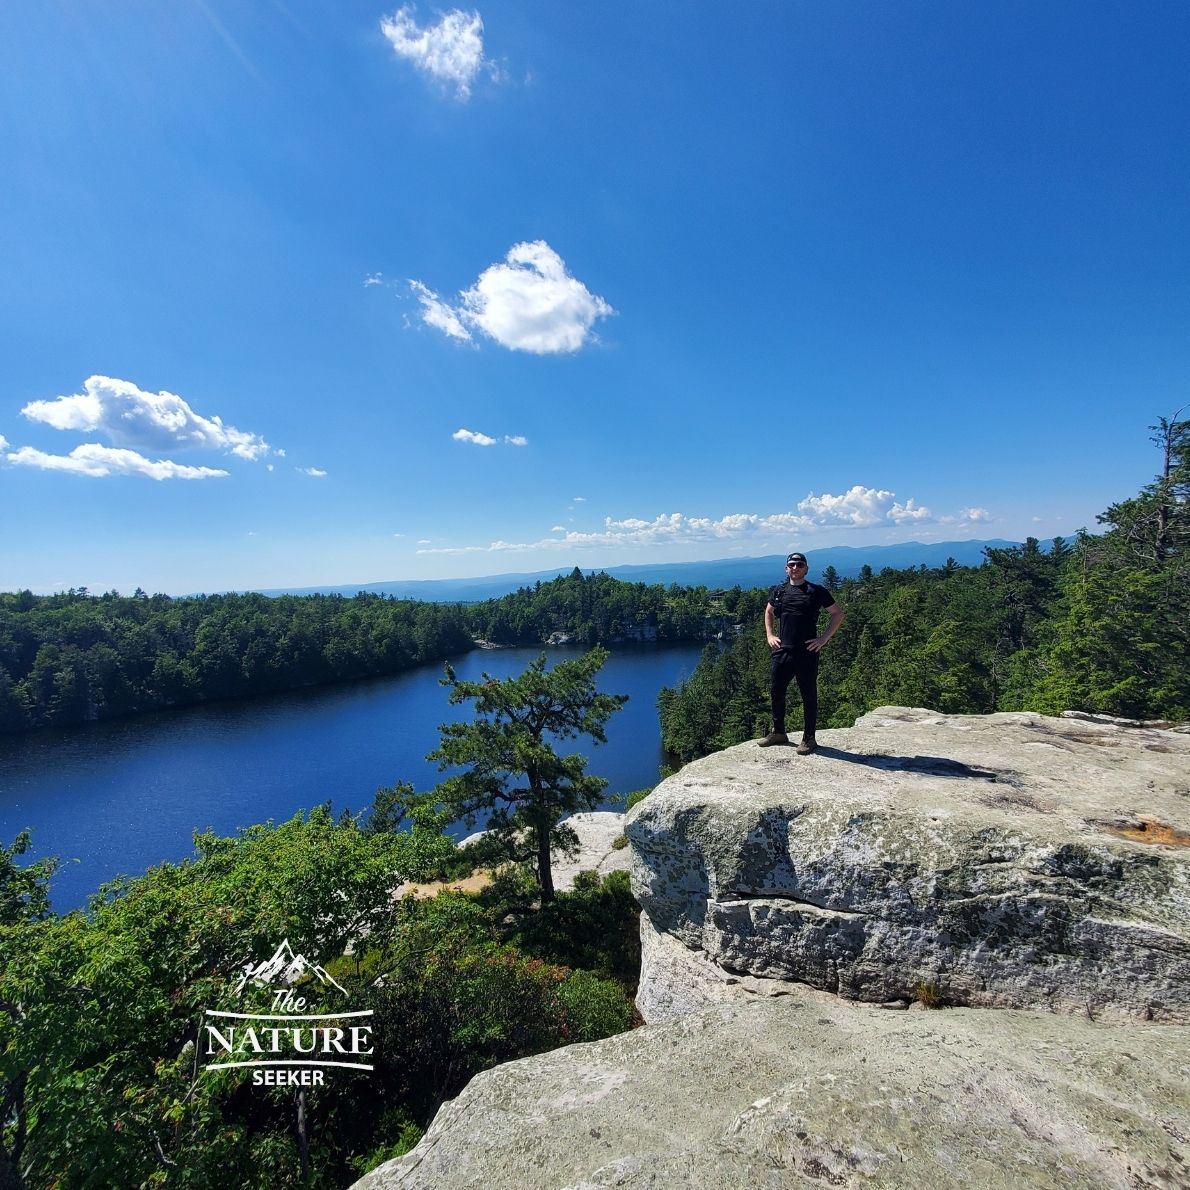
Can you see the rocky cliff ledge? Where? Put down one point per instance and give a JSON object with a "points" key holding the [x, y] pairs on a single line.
{"points": [[1036, 868], [1005, 861]]}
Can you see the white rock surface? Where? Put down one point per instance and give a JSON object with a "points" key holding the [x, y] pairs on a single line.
{"points": [[810, 1090], [1008, 860], [597, 830]]}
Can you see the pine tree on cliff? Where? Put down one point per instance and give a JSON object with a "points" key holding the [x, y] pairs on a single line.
{"points": [[511, 771]]}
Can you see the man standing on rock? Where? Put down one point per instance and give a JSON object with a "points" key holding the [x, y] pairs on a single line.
{"points": [[791, 626]]}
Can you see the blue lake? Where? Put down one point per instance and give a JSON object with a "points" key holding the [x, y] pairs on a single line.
{"points": [[116, 798]]}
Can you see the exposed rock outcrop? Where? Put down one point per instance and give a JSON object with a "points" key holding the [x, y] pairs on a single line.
{"points": [[1007, 860], [811, 1090], [1012, 862], [597, 832]]}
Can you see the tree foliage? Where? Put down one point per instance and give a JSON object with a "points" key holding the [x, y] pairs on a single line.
{"points": [[100, 1011], [71, 658], [511, 772]]}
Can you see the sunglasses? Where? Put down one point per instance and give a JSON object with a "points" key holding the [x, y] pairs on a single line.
{"points": [[794, 564]]}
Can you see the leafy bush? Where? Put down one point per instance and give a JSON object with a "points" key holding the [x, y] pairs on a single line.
{"points": [[594, 1007], [637, 795], [596, 928]]}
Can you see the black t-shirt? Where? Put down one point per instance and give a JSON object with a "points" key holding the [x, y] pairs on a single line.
{"points": [[796, 607]]}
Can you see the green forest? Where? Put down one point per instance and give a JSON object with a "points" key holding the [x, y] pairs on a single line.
{"points": [[76, 657], [1095, 624]]}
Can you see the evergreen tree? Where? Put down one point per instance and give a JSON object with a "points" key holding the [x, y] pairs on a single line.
{"points": [[512, 772]]}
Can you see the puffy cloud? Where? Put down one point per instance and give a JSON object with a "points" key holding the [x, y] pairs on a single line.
{"points": [[98, 461], [313, 472], [478, 439], [527, 303], [472, 436], [858, 507], [374, 279], [128, 416], [450, 51], [3, 443], [968, 516]]}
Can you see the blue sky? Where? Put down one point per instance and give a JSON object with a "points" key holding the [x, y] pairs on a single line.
{"points": [[311, 293]]}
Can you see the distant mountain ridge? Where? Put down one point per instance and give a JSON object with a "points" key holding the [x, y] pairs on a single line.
{"points": [[720, 572]]}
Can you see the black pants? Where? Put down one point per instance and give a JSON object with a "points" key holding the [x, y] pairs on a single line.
{"points": [[803, 666]]}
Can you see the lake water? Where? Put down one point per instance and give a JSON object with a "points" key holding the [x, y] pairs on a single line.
{"points": [[115, 798]]}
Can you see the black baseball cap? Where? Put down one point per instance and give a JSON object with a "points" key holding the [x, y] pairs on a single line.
{"points": [[795, 558]]}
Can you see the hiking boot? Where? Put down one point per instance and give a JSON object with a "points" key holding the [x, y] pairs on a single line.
{"points": [[809, 744], [774, 737]]}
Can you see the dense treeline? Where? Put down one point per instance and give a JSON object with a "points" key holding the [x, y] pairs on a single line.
{"points": [[597, 608], [70, 658], [1099, 625], [75, 657]]}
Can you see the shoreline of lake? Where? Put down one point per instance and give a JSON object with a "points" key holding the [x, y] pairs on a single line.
{"points": [[122, 795]]}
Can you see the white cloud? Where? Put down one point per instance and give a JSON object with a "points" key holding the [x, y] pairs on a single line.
{"points": [[528, 303], [128, 416], [450, 51], [3, 443], [423, 541], [374, 279], [579, 499], [436, 313], [857, 508], [472, 436], [967, 516], [98, 461], [314, 472], [860, 506], [478, 439]]}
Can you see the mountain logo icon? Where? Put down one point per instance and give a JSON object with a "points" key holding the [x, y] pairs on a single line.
{"points": [[286, 967]]}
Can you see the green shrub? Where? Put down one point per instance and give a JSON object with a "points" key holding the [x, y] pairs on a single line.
{"points": [[395, 1124], [637, 795], [594, 1007], [595, 928]]}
